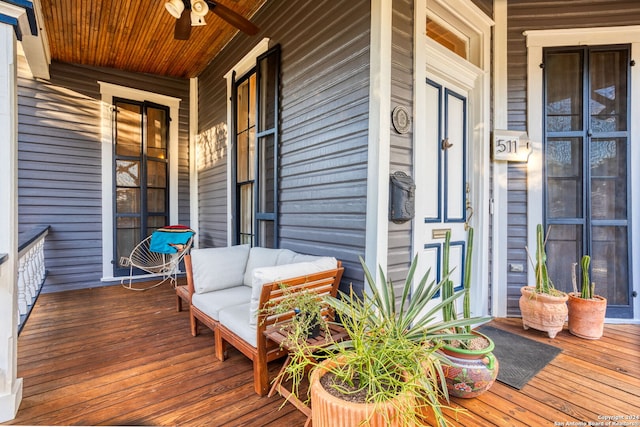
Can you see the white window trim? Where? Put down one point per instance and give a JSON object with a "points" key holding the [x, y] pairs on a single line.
{"points": [[241, 68], [109, 91], [536, 41], [469, 19]]}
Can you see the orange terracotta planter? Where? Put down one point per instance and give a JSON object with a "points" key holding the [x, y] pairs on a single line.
{"points": [[543, 312], [330, 411], [586, 316]]}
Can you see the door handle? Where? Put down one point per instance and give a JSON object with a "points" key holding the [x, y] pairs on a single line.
{"points": [[446, 144]]}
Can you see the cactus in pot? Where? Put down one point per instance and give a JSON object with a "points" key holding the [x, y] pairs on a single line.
{"points": [[586, 310], [542, 306]]}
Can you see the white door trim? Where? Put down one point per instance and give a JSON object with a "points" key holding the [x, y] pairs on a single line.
{"points": [[108, 91]]}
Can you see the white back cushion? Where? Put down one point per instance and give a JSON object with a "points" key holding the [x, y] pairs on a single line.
{"points": [[260, 257], [218, 268], [281, 272]]}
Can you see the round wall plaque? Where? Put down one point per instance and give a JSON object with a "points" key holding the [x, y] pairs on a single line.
{"points": [[400, 119]]}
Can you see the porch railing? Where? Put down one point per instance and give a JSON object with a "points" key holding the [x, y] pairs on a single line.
{"points": [[31, 270]]}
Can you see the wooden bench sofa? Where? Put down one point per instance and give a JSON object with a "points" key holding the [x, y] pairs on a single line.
{"points": [[228, 289]]}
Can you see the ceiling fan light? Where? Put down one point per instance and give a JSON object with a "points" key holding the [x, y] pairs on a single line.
{"points": [[197, 20], [175, 8], [199, 7]]}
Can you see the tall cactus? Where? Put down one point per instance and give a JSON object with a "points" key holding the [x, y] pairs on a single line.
{"points": [[466, 307], [587, 287], [448, 311], [543, 283]]}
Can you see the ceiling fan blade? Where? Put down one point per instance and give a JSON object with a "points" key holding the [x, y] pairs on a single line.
{"points": [[182, 29], [233, 18]]}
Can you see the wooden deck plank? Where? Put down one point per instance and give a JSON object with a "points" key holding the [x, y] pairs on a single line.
{"points": [[109, 356]]}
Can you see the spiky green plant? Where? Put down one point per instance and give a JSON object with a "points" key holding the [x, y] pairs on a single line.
{"points": [[588, 288], [392, 344]]}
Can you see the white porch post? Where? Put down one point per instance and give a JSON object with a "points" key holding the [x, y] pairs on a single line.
{"points": [[10, 385], [377, 223]]}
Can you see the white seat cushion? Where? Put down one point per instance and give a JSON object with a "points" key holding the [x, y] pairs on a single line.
{"points": [[236, 320], [281, 272], [211, 303], [218, 268]]}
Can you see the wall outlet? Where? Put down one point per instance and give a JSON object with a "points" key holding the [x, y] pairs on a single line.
{"points": [[516, 268]]}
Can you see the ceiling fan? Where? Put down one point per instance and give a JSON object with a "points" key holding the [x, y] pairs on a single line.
{"points": [[191, 13]]}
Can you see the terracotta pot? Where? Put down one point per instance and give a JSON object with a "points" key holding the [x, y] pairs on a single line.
{"points": [[330, 411], [470, 372], [586, 316], [543, 312]]}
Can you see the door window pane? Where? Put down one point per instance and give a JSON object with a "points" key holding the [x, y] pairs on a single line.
{"points": [[609, 267], [608, 159], [243, 106], [128, 200], [268, 87], [608, 100], [156, 174], [564, 247], [154, 222], [127, 235], [447, 38], [266, 231], [156, 200], [127, 173], [246, 214], [564, 177], [157, 133], [267, 175], [564, 91], [128, 129]]}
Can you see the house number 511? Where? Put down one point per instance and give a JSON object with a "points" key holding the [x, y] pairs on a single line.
{"points": [[510, 146]]}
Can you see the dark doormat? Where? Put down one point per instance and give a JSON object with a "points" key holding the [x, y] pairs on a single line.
{"points": [[519, 358]]}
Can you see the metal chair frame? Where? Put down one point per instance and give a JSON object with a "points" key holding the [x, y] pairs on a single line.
{"points": [[158, 264]]}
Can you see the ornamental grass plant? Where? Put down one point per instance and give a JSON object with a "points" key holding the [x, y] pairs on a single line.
{"points": [[391, 353]]}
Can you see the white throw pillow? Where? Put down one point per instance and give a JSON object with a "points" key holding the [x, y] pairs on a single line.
{"points": [[264, 275], [218, 268]]}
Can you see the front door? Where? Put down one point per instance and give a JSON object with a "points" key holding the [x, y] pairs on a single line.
{"points": [[443, 160]]}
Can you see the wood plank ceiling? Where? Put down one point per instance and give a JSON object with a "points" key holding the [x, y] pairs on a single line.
{"points": [[136, 35]]}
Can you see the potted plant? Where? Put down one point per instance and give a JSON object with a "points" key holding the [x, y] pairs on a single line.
{"points": [[472, 367], [586, 310], [304, 312], [388, 372], [542, 306]]}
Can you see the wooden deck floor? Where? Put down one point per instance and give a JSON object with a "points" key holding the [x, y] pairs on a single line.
{"points": [[109, 356]]}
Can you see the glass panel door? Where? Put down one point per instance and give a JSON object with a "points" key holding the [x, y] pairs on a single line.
{"points": [[586, 169], [141, 181]]}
